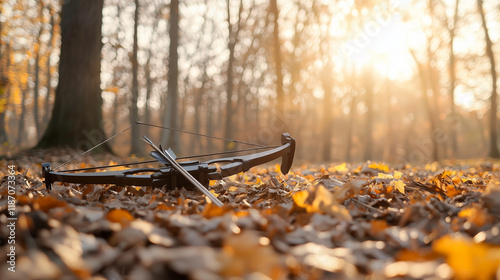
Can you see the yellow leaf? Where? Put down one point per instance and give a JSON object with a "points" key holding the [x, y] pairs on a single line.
{"points": [[211, 210], [341, 168], [310, 177], [300, 198], [277, 168], [398, 175], [432, 166], [358, 169], [379, 166], [213, 183], [385, 176], [399, 185], [317, 199], [477, 216], [216, 194], [471, 179], [469, 260]]}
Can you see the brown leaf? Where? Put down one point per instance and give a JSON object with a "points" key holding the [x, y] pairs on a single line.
{"points": [[46, 203], [123, 217], [247, 253]]}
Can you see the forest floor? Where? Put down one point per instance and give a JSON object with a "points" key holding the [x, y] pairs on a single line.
{"points": [[366, 221]]}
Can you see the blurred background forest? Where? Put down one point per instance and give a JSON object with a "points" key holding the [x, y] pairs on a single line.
{"points": [[399, 81]]}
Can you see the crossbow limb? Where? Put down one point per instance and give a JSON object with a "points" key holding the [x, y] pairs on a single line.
{"points": [[203, 172]]}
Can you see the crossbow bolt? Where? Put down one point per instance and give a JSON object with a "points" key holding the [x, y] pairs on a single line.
{"points": [[180, 169]]}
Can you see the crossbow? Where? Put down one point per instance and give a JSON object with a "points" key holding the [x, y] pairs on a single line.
{"points": [[170, 174]]}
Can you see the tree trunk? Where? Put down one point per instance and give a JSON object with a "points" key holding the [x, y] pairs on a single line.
{"points": [[20, 128], [147, 74], [389, 149], [4, 94], [368, 84], [432, 75], [3, 132], [114, 115], [149, 89], [453, 132], [327, 132], [76, 120], [229, 91], [350, 126], [170, 118], [134, 112], [280, 95], [50, 46], [182, 112], [257, 111], [196, 143], [233, 39], [494, 153], [209, 124], [36, 91], [430, 114]]}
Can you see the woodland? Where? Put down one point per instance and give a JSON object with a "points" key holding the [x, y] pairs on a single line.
{"points": [[391, 106]]}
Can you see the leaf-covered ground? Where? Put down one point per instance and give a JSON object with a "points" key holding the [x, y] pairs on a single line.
{"points": [[367, 221]]}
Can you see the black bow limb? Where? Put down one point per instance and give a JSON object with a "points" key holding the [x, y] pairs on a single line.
{"points": [[159, 177]]}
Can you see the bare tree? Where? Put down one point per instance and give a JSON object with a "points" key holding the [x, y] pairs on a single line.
{"points": [[280, 95], [494, 153], [21, 133], [76, 119], [170, 118], [134, 112], [147, 70], [424, 82], [234, 30], [36, 91], [48, 70], [326, 80], [368, 84], [351, 123], [4, 90], [453, 78]]}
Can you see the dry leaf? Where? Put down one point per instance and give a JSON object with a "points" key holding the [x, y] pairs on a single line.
{"points": [[469, 260], [123, 217]]}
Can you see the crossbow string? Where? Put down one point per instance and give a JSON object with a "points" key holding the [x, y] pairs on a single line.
{"points": [[257, 147]]}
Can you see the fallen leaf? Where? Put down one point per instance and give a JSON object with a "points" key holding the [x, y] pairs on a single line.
{"points": [[469, 260], [248, 253], [123, 217]]}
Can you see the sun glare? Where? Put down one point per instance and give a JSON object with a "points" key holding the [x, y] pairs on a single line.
{"points": [[386, 51]]}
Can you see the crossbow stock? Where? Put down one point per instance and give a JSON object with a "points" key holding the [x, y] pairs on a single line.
{"points": [[170, 175]]}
